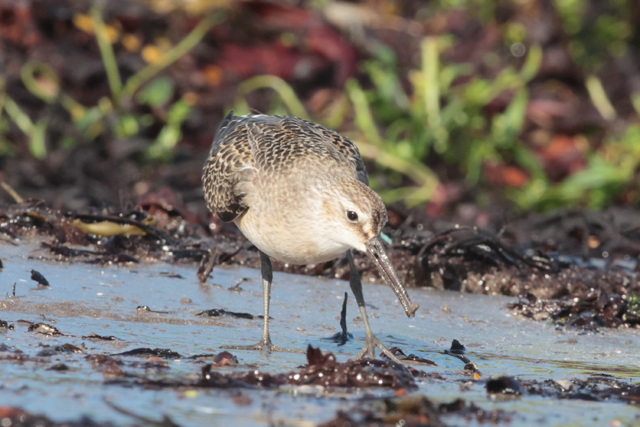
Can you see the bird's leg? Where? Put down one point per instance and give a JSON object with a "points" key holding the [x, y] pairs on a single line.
{"points": [[265, 343], [371, 342]]}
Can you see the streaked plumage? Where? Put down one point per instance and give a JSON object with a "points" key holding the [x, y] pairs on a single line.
{"points": [[293, 188], [283, 144]]}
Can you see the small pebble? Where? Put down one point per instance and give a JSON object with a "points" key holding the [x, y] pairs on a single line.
{"points": [[59, 366]]}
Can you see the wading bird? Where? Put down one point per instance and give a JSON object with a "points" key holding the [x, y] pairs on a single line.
{"points": [[300, 193]]}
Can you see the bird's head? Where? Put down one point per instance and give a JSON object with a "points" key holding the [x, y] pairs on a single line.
{"points": [[358, 215]]}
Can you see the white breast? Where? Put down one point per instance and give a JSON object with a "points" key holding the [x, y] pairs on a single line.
{"points": [[292, 242]]}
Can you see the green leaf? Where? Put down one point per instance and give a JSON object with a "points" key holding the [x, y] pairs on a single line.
{"points": [[364, 119], [41, 80], [165, 142], [168, 137], [478, 92], [127, 126], [157, 93], [91, 122], [515, 113], [178, 113], [532, 63], [599, 174], [37, 143]]}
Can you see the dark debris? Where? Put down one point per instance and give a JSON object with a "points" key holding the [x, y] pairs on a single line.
{"points": [[148, 352], [94, 336], [56, 350], [58, 366], [323, 369], [38, 277], [418, 410], [592, 294], [457, 348], [225, 358], [473, 413], [219, 312], [147, 309], [44, 329], [88, 256], [170, 275], [503, 386], [407, 411], [66, 242], [109, 366], [414, 411], [16, 417], [212, 258], [589, 311], [600, 387], [475, 243], [5, 325]]}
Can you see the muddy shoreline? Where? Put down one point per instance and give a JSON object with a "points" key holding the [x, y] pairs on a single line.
{"points": [[574, 268], [135, 332], [557, 322]]}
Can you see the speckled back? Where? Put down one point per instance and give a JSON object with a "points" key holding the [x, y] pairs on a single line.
{"points": [[263, 145]]}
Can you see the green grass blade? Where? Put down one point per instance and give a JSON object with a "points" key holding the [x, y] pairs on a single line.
{"points": [[106, 51], [286, 93], [19, 117], [364, 118], [599, 98], [37, 140]]}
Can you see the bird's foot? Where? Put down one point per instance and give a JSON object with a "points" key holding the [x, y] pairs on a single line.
{"points": [[264, 346], [369, 350]]}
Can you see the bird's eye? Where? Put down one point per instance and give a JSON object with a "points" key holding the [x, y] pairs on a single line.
{"points": [[352, 216]]}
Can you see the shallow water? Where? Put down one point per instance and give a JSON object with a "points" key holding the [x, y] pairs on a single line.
{"points": [[86, 299]]}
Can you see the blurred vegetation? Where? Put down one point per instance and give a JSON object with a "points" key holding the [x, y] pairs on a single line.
{"points": [[416, 123], [439, 117], [114, 115], [446, 121]]}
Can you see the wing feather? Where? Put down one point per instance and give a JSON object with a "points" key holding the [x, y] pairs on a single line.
{"points": [[257, 142]]}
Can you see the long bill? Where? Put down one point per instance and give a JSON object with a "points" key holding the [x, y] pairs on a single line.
{"points": [[376, 252]]}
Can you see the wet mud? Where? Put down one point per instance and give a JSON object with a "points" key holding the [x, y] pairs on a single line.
{"points": [[576, 269], [81, 352]]}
